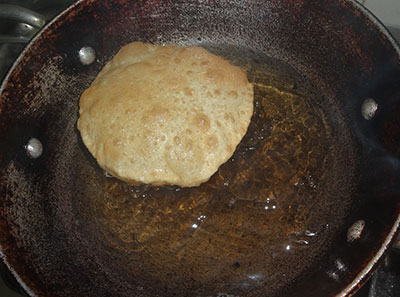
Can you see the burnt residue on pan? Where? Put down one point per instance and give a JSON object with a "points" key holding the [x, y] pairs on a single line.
{"points": [[272, 221], [269, 208]]}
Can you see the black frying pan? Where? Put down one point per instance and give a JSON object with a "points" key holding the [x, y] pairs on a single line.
{"points": [[307, 205]]}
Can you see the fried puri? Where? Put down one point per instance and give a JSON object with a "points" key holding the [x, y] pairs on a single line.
{"points": [[165, 115]]}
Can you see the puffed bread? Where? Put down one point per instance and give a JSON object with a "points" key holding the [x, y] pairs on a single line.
{"points": [[165, 115]]}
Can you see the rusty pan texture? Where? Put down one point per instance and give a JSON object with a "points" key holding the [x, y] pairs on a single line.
{"points": [[334, 44]]}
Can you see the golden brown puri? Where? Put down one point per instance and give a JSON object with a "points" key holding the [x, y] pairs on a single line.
{"points": [[165, 115]]}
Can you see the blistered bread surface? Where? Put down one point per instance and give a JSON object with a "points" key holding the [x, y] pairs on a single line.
{"points": [[165, 115]]}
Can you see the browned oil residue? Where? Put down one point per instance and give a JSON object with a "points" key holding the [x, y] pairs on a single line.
{"points": [[257, 216]]}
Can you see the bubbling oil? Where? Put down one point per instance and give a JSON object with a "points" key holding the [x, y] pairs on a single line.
{"points": [[262, 217]]}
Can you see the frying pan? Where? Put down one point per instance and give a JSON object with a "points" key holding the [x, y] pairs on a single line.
{"points": [[307, 205]]}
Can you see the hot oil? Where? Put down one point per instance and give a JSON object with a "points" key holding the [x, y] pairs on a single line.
{"points": [[259, 222]]}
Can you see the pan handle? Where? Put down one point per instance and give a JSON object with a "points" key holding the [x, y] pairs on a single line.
{"points": [[20, 15]]}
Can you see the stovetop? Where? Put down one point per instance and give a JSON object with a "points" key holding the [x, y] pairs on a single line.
{"points": [[384, 283]]}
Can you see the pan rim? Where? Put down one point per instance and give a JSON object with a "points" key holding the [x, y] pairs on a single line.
{"points": [[363, 276], [378, 23]]}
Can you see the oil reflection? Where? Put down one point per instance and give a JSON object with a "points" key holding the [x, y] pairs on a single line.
{"points": [[340, 268], [256, 276], [200, 219]]}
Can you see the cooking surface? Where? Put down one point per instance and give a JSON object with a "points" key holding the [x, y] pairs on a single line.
{"points": [[262, 211], [195, 217]]}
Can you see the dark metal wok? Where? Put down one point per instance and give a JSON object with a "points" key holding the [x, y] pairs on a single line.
{"points": [[307, 206]]}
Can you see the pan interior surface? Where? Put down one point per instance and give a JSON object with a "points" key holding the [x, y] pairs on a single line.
{"points": [[272, 221], [261, 221]]}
